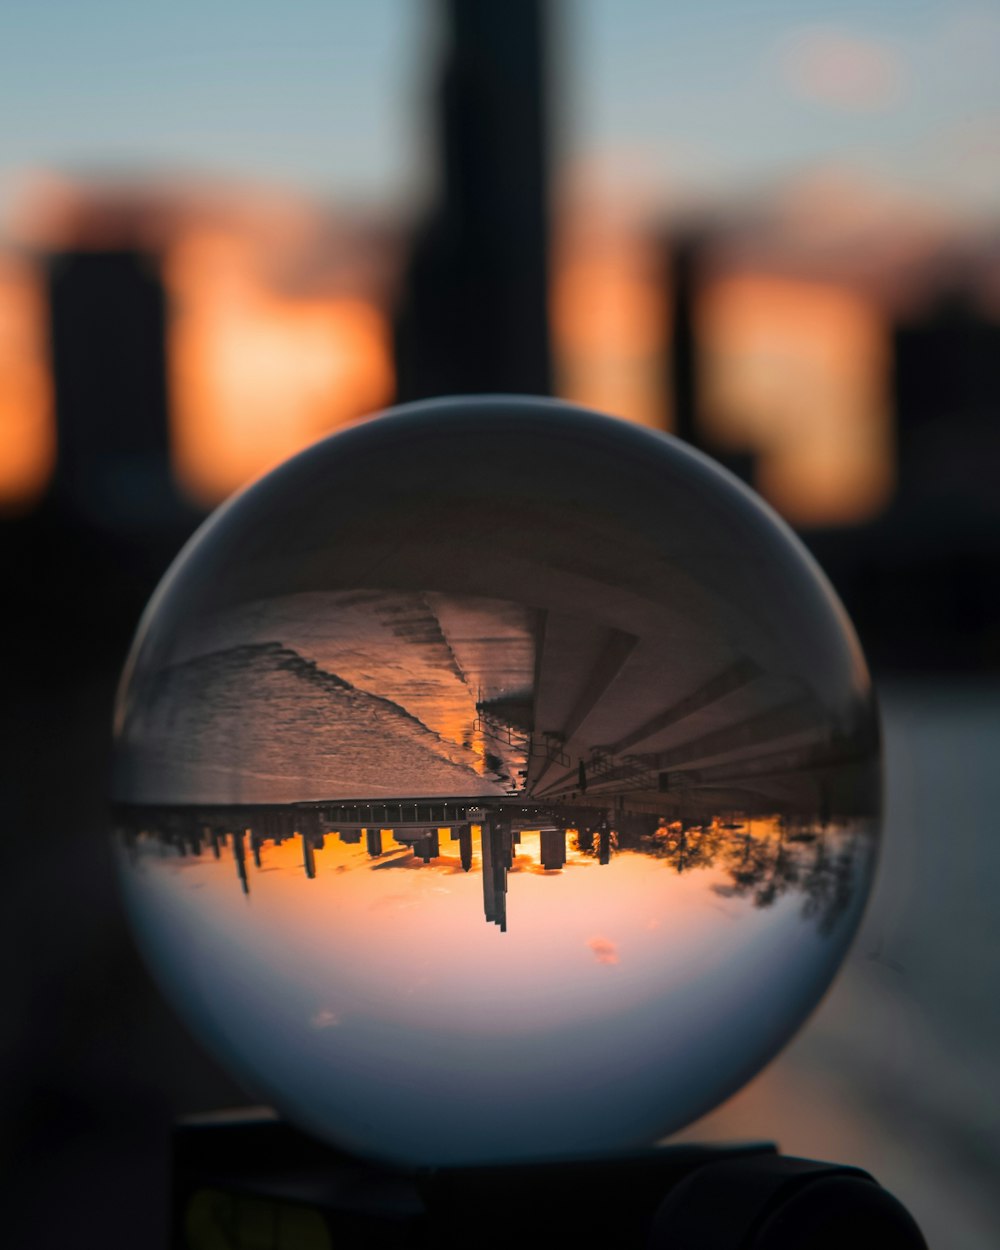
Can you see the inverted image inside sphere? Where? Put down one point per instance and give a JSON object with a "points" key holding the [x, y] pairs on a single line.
{"points": [[495, 781]]}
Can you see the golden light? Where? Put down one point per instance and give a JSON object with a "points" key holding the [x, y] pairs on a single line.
{"points": [[255, 373], [27, 420], [609, 321], [796, 372]]}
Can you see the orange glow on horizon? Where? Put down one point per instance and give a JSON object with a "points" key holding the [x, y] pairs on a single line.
{"points": [[27, 421], [796, 372], [722, 844], [255, 374], [609, 322], [793, 371], [383, 902]]}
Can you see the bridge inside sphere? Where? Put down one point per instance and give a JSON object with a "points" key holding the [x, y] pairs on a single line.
{"points": [[569, 661]]}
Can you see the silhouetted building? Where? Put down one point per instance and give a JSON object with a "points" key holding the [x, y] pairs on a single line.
{"points": [[553, 846], [495, 859], [921, 581], [308, 856], [946, 391], [684, 256], [307, 822], [465, 846], [373, 842], [473, 316], [504, 839], [425, 844], [108, 333]]}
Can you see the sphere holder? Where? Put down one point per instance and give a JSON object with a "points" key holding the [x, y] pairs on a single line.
{"points": [[248, 1181]]}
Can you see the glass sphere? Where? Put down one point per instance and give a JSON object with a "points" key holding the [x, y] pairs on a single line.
{"points": [[495, 781]]}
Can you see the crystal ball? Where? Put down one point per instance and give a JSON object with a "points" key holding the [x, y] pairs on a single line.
{"points": [[495, 781]]}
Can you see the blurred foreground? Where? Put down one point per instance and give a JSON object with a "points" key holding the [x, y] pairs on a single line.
{"points": [[898, 1071]]}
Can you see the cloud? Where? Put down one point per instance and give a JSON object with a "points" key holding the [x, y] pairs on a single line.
{"points": [[845, 72], [604, 950], [325, 1019]]}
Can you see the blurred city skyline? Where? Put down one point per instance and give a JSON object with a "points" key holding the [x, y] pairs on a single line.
{"points": [[281, 315], [750, 215]]}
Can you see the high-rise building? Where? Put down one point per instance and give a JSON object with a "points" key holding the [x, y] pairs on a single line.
{"points": [[108, 329], [465, 845], [308, 856], [495, 858], [553, 848]]}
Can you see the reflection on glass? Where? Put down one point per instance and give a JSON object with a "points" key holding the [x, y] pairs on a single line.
{"points": [[759, 860], [495, 781]]}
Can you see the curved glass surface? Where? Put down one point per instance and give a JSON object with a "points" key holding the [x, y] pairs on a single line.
{"points": [[495, 780]]}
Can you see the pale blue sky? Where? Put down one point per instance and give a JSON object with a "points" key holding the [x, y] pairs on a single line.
{"points": [[315, 94], [325, 96], [735, 93]]}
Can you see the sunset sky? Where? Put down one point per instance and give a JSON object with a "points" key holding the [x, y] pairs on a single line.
{"points": [[840, 144]]}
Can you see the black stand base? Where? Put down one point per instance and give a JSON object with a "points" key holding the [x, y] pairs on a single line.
{"points": [[243, 1183]]}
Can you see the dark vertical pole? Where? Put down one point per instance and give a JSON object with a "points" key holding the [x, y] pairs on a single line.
{"points": [[474, 315]]}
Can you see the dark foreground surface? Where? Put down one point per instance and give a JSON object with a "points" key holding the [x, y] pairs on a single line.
{"points": [[896, 1073], [899, 1069]]}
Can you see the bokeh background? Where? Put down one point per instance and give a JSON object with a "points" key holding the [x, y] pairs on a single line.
{"points": [[773, 229]]}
